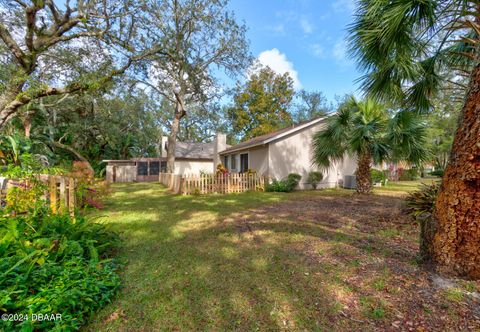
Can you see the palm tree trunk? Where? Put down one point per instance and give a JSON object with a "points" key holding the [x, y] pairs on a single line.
{"points": [[363, 177], [457, 239]]}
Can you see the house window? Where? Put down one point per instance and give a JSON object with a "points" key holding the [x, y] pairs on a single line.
{"points": [[154, 168], [142, 168], [234, 161], [243, 162], [225, 161]]}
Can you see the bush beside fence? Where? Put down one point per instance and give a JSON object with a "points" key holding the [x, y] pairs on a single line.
{"points": [[59, 191]]}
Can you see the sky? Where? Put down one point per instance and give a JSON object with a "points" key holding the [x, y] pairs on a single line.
{"points": [[305, 38]]}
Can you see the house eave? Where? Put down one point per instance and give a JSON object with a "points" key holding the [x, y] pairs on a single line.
{"points": [[242, 148], [274, 138]]}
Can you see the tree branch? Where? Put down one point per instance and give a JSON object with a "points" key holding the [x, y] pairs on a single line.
{"points": [[13, 46]]}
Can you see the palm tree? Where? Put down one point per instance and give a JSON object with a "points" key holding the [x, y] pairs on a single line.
{"points": [[409, 49], [366, 131]]}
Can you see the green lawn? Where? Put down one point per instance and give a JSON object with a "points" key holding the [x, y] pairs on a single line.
{"points": [[267, 261], [403, 187]]}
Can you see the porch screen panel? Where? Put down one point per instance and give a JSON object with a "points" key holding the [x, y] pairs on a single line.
{"points": [[142, 168], [154, 168]]}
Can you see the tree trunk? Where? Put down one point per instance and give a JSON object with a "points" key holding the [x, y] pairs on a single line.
{"points": [[364, 183], [457, 240], [172, 139], [27, 125]]}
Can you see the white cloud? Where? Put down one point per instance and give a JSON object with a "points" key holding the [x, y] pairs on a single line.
{"points": [[294, 20], [279, 28], [318, 50], [279, 63], [343, 6], [306, 25], [340, 53]]}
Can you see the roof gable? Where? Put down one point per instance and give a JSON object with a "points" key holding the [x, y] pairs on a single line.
{"points": [[273, 136], [192, 150]]}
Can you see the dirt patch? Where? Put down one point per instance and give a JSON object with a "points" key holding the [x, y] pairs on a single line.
{"points": [[364, 250]]}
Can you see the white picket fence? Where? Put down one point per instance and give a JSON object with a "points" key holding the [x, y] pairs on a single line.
{"points": [[213, 183]]}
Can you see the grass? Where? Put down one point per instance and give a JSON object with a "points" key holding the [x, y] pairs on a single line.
{"points": [[323, 260], [401, 187]]}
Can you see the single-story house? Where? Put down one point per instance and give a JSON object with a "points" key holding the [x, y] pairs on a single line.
{"points": [[288, 150], [275, 155], [190, 158]]}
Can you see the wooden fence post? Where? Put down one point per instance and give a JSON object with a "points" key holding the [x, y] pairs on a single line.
{"points": [[63, 202], [53, 194], [71, 197]]}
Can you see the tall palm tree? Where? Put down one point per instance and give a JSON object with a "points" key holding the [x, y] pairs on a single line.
{"points": [[409, 49], [367, 132]]}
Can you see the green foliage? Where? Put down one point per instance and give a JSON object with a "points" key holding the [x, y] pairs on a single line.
{"points": [[314, 178], [26, 197], [286, 185], [366, 128], [261, 105], [378, 176], [311, 104], [421, 205], [13, 147], [54, 264], [411, 174], [437, 172], [442, 123], [423, 200], [387, 38]]}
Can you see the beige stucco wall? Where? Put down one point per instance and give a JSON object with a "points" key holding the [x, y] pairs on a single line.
{"points": [[294, 154], [258, 160], [193, 166]]}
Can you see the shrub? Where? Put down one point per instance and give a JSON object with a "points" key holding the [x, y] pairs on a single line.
{"points": [[315, 178], [91, 192], [221, 170], [277, 186], [438, 172], [420, 205], [377, 176], [423, 200], [409, 175], [286, 185], [53, 264]]}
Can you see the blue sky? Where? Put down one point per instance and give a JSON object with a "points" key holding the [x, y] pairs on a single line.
{"points": [[304, 37]]}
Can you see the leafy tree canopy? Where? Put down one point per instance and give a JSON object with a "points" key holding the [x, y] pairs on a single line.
{"points": [[261, 105]]}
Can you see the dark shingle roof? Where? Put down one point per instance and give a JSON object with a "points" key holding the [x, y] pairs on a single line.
{"points": [[194, 150], [262, 138]]}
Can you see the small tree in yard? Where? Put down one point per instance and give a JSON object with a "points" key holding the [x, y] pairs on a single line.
{"points": [[366, 131]]}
